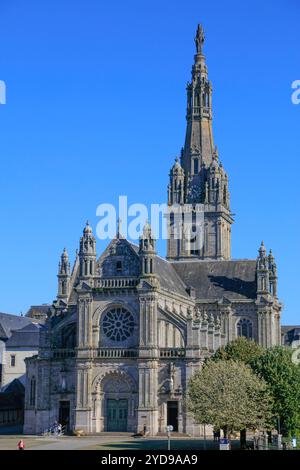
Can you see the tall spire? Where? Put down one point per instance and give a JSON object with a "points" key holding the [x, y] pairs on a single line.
{"points": [[200, 177], [199, 143]]}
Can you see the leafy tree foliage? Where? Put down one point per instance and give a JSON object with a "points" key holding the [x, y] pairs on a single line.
{"points": [[241, 349], [275, 366], [228, 395]]}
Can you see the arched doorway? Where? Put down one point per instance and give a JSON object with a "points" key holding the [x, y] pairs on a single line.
{"points": [[115, 403]]}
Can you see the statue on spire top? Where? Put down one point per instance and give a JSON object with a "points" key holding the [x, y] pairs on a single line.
{"points": [[199, 39]]}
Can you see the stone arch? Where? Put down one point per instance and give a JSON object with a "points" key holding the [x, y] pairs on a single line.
{"points": [[114, 389], [107, 304], [244, 327], [113, 374]]}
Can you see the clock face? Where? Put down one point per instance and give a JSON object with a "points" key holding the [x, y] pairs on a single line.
{"points": [[194, 192]]}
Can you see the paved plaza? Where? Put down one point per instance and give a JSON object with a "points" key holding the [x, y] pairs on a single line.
{"points": [[107, 442]]}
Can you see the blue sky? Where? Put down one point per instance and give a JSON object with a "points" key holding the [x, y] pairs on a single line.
{"points": [[96, 108]]}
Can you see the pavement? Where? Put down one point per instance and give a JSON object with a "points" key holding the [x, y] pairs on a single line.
{"points": [[123, 441]]}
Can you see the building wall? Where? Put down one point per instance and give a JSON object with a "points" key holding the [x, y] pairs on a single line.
{"points": [[10, 373]]}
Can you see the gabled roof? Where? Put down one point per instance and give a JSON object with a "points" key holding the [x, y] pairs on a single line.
{"points": [[286, 328], [167, 275], [28, 337], [9, 322], [115, 242], [213, 280]]}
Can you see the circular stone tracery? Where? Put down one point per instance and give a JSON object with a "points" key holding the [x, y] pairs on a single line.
{"points": [[118, 324]]}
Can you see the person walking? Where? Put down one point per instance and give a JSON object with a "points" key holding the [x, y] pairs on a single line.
{"points": [[21, 445]]}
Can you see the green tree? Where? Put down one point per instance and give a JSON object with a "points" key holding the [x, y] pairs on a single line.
{"points": [[275, 366], [228, 395], [241, 349]]}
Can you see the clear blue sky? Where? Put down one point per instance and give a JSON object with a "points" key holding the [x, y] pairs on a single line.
{"points": [[96, 108]]}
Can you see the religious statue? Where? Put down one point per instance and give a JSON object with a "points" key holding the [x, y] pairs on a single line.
{"points": [[199, 39], [171, 380]]}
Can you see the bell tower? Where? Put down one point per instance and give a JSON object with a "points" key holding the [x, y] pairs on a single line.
{"points": [[198, 195]]}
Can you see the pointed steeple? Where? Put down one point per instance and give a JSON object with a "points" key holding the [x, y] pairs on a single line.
{"points": [[200, 178], [199, 145]]}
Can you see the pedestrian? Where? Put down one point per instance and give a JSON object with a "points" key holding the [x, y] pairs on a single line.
{"points": [[21, 445]]}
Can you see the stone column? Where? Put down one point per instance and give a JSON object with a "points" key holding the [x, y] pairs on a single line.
{"points": [[219, 238], [190, 426], [180, 416], [148, 397], [84, 322], [83, 414]]}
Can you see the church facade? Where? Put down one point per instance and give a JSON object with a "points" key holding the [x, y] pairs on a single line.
{"points": [[129, 328]]}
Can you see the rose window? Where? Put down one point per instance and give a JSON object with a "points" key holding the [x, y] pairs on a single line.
{"points": [[118, 324]]}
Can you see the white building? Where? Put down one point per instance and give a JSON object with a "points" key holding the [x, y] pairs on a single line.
{"points": [[19, 338]]}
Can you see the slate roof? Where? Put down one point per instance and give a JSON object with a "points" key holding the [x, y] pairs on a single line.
{"points": [[168, 277], [38, 312], [286, 328], [10, 322], [25, 337], [212, 280], [16, 387], [290, 333]]}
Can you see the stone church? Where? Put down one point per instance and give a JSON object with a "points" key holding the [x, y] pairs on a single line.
{"points": [[129, 328]]}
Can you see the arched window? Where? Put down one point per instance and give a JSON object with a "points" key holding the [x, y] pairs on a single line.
{"points": [[119, 266], [32, 391], [196, 166], [244, 328], [63, 288]]}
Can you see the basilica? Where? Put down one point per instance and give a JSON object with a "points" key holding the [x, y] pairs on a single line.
{"points": [[129, 328]]}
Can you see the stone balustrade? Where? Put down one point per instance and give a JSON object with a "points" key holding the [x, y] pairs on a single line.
{"points": [[171, 352], [114, 353], [116, 283], [63, 353]]}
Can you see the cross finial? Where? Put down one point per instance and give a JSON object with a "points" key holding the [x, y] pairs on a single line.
{"points": [[119, 223]]}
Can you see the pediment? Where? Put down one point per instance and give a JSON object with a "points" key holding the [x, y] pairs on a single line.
{"points": [[120, 258]]}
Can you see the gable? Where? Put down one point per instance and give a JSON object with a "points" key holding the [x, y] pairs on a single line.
{"points": [[119, 259]]}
